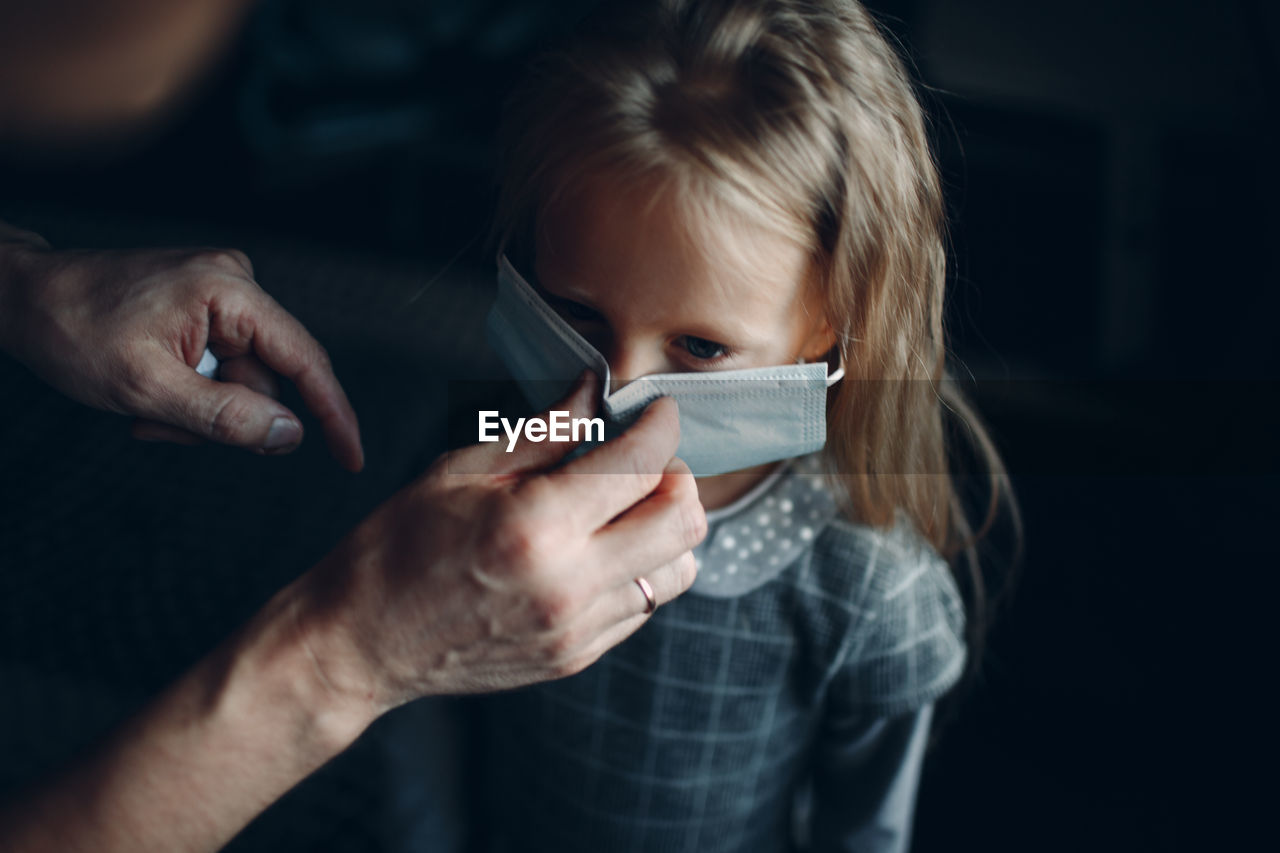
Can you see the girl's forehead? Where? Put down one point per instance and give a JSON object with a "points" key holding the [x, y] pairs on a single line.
{"points": [[598, 226]]}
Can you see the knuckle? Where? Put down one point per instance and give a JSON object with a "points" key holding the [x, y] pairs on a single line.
{"points": [[225, 260], [228, 420], [561, 646], [522, 545], [552, 611], [242, 260], [539, 501], [686, 570], [691, 520], [686, 486], [322, 359], [239, 310]]}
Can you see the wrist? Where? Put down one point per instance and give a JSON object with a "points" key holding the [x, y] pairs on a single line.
{"points": [[203, 758], [272, 671]]}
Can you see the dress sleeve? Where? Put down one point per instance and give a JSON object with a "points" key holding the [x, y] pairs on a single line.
{"points": [[904, 649], [865, 782]]}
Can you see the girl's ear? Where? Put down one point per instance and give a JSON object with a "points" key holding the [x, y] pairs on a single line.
{"points": [[820, 337], [821, 340]]}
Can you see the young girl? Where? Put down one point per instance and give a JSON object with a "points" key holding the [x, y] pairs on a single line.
{"points": [[740, 192]]}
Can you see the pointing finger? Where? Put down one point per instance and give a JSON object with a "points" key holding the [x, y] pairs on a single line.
{"points": [[262, 327]]}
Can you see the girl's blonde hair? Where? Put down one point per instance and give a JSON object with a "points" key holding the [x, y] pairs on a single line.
{"points": [[801, 111]]}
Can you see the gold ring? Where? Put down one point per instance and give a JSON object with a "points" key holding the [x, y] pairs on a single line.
{"points": [[650, 603]]}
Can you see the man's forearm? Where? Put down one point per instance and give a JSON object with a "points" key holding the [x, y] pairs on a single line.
{"points": [[204, 758]]}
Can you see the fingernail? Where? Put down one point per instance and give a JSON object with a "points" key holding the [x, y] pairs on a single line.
{"points": [[285, 433]]}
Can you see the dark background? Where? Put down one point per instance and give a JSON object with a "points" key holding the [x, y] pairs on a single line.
{"points": [[1112, 180]]}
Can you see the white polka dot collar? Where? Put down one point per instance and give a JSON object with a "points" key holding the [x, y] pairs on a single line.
{"points": [[752, 540]]}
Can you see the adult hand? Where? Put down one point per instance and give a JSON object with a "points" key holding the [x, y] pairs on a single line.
{"points": [[491, 571], [503, 575], [123, 331]]}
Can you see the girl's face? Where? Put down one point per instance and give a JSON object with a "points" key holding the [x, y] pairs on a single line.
{"points": [[655, 292]]}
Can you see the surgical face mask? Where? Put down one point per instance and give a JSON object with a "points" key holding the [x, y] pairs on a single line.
{"points": [[729, 419]]}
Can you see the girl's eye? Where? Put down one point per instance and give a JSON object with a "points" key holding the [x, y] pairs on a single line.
{"points": [[703, 349]]}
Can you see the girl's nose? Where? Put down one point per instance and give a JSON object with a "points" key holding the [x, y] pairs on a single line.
{"points": [[630, 362]]}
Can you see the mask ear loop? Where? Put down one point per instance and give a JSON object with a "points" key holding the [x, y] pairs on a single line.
{"points": [[838, 373]]}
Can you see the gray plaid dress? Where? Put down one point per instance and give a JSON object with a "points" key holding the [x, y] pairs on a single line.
{"points": [[782, 703]]}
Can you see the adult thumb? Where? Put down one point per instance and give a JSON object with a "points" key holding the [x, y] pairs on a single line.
{"points": [[225, 412], [579, 402]]}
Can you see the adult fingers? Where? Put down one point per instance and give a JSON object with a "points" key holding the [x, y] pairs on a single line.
{"points": [[146, 430], [225, 412], [244, 370], [580, 402], [659, 529], [607, 639], [619, 613], [492, 458], [282, 344], [242, 259], [668, 582], [601, 484], [247, 370]]}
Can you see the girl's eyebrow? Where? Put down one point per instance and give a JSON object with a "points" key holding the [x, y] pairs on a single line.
{"points": [[572, 296], [570, 293], [733, 334]]}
